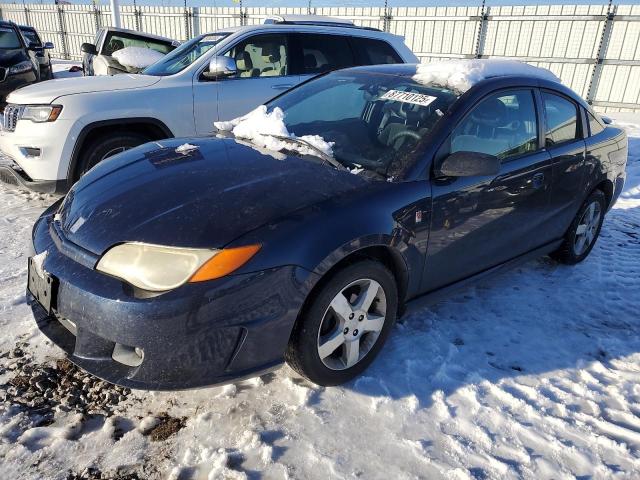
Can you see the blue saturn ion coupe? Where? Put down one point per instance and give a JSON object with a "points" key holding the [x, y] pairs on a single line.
{"points": [[301, 231]]}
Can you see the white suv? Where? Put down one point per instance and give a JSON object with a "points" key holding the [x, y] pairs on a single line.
{"points": [[57, 130]]}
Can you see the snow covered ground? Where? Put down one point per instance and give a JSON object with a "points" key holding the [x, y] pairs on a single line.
{"points": [[535, 374], [61, 68]]}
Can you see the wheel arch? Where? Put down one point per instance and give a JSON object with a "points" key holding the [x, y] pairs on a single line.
{"points": [[384, 254], [151, 127], [607, 187]]}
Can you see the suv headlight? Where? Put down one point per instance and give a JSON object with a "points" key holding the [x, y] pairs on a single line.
{"points": [[21, 67], [158, 269], [41, 113]]}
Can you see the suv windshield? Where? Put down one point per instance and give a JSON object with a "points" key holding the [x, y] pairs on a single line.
{"points": [[8, 38], [376, 121], [184, 55]]}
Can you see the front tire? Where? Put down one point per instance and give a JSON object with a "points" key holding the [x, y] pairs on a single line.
{"points": [[584, 230], [105, 147], [345, 325]]}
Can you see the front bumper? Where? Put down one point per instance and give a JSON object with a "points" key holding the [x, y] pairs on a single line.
{"points": [[16, 177], [15, 81], [197, 335]]}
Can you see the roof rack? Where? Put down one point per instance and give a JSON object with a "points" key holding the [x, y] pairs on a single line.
{"points": [[318, 20]]}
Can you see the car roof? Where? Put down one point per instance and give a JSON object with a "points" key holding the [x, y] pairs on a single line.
{"points": [[26, 27], [336, 28], [141, 34], [506, 80]]}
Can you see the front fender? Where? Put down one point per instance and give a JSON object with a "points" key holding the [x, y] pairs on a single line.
{"points": [[321, 236]]}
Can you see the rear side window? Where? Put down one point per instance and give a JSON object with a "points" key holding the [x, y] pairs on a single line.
{"points": [[32, 37], [322, 53], [504, 125], [562, 119], [595, 126], [374, 52]]}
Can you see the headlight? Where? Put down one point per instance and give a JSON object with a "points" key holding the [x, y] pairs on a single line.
{"points": [[158, 269], [41, 113], [21, 67]]}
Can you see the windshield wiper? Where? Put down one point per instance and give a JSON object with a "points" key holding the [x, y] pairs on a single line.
{"points": [[321, 154]]}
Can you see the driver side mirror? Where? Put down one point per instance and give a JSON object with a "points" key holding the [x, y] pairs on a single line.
{"points": [[469, 164], [48, 46], [89, 48], [221, 67]]}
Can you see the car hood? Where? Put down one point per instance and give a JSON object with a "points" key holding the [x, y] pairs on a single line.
{"points": [[47, 92], [9, 57], [204, 198]]}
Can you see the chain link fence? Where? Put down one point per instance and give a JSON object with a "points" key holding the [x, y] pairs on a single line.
{"points": [[594, 49]]}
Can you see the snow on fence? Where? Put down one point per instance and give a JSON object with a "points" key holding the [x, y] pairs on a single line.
{"points": [[595, 49]]}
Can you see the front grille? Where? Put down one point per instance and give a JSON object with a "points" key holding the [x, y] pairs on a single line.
{"points": [[10, 117]]}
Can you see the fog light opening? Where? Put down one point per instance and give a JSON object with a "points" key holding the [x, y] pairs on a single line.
{"points": [[130, 356], [31, 152]]}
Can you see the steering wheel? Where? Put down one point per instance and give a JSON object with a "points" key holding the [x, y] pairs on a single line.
{"points": [[404, 133]]}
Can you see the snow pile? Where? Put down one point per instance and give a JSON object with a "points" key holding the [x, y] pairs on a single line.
{"points": [[137, 57], [461, 75], [185, 148], [262, 128]]}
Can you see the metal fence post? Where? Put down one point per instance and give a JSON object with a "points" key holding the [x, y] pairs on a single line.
{"points": [[187, 23], [386, 17], [26, 15], [482, 31], [137, 17], [602, 52], [97, 17], [63, 33]]}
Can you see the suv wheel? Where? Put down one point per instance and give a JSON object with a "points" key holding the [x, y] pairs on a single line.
{"points": [[105, 147], [346, 324], [584, 230]]}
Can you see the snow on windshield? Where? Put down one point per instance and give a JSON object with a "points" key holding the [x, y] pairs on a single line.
{"points": [[137, 57], [260, 126], [461, 75]]}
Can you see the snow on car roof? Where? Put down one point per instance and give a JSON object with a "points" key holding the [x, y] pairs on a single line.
{"points": [[461, 75]]}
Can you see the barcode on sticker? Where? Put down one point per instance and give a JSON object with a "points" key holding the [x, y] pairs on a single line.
{"points": [[408, 97]]}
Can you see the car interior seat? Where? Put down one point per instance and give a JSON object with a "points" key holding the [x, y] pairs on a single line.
{"points": [[271, 55], [402, 124], [244, 64], [486, 130]]}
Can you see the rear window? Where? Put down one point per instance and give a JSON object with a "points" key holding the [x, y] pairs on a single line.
{"points": [[374, 52], [323, 53]]}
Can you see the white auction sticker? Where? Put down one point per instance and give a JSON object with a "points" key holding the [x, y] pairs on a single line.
{"points": [[408, 97]]}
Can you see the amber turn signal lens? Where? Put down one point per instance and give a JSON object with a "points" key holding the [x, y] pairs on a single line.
{"points": [[225, 262]]}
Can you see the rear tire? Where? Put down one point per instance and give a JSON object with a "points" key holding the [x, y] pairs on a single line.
{"points": [[105, 147], [346, 324], [584, 230]]}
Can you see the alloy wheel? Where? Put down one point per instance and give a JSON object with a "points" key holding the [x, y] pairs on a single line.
{"points": [[352, 324], [587, 228]]}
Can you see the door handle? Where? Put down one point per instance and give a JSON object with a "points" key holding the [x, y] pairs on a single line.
{"points": [[281, 86], [538, 180]]}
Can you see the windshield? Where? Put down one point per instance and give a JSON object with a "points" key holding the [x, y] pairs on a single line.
{"points": [[376, 121], [32, 37], [184, 55], [9, 38]]}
